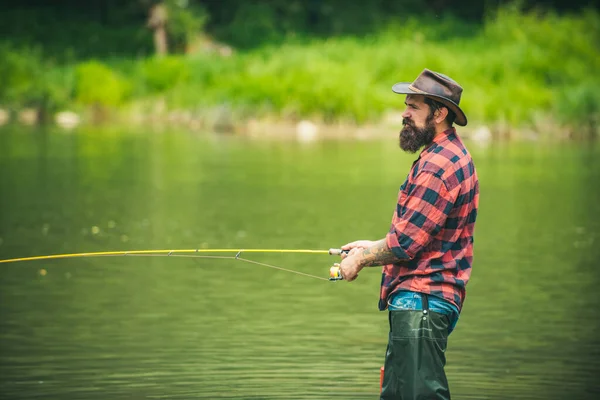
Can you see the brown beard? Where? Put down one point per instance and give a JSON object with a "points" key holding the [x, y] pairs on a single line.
{"points": [[413, 138]]}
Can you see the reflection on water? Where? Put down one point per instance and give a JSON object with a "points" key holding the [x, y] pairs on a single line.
{"points": [[135, 327]]}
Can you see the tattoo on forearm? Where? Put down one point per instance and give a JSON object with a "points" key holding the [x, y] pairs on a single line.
{"points": [[378, 254]]}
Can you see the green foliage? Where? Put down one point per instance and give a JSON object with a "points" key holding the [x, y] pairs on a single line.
{"points": [[513, 69], [581, 103], [185, 21], [109, 28], [163, 73], [20, 72], [262, 24], [248, 24], [27, 80], [516, 67], [63, 35], [58, 86], [97, 84]]}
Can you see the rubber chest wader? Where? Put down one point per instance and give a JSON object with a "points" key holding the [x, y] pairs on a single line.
{"points": [[415, 356]]}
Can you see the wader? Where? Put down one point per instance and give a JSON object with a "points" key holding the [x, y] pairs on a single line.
{"points": [[415, 356]]}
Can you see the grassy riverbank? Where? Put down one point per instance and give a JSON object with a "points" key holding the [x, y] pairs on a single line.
{"points": [[517, 69]]}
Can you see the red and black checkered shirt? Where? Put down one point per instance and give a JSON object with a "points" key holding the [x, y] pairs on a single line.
{"points": [[432, 226]]}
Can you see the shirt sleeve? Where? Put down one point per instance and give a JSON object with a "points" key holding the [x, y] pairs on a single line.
{"points": [[420, 215]]}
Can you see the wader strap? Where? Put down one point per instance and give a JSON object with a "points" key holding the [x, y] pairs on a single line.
{"points": [[425, 302]]}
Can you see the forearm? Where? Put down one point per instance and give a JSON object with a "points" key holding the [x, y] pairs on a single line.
{"points": [[377, 254]]}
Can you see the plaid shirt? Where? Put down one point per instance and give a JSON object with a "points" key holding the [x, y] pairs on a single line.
{"points": [[432, 226]]}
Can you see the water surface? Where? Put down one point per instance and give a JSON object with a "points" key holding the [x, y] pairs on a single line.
{"points": [[127, 327]]}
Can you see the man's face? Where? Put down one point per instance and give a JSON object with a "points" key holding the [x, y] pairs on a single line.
{"points": [[419, 127]]}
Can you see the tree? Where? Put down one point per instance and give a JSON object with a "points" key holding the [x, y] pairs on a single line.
{"points": [[157, 21]]}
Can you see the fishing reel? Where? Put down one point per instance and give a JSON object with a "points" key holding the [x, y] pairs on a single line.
{"points": [[334, 272]]}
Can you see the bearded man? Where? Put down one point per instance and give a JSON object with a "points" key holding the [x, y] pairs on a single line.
{"points": [[428, 252]]}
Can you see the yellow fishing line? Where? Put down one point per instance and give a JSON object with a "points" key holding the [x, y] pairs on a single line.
{"points": [[166, 252]]}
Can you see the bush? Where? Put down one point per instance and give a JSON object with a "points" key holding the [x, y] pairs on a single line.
{"points": [[579, 106], [26, 80], [96, 84], [160, 74], [20, 76]]}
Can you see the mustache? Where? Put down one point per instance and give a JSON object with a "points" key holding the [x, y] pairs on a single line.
{"points": [[406, 121]]}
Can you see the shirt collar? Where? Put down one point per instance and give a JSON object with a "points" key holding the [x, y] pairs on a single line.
{"points": [[439, 139]]}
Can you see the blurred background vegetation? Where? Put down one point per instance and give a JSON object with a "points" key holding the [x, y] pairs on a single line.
{"points": [[523, 64]]}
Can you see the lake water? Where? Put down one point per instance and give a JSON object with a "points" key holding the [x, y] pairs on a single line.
{"points": [[181, 328]]}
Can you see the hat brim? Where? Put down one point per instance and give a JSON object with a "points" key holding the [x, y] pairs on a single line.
{"points": [[403, 88]]}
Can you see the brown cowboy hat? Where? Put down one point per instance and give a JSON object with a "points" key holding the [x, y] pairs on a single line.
{"points": [[437, 86]]}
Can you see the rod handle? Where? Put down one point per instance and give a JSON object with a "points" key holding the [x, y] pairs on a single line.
{"points": [[337, 252]]}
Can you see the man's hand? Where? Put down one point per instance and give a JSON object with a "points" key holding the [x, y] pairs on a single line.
{"points": [[350, 267], [364, 253], [355, 247]]}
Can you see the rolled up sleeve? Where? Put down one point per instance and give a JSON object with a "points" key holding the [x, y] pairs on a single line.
{"points": [[420, 215]]}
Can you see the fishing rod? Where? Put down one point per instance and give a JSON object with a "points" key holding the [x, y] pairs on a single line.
{"points": [[334, 271]]}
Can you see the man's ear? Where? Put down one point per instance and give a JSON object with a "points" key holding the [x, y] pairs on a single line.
{"points": [[440, 115]]}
